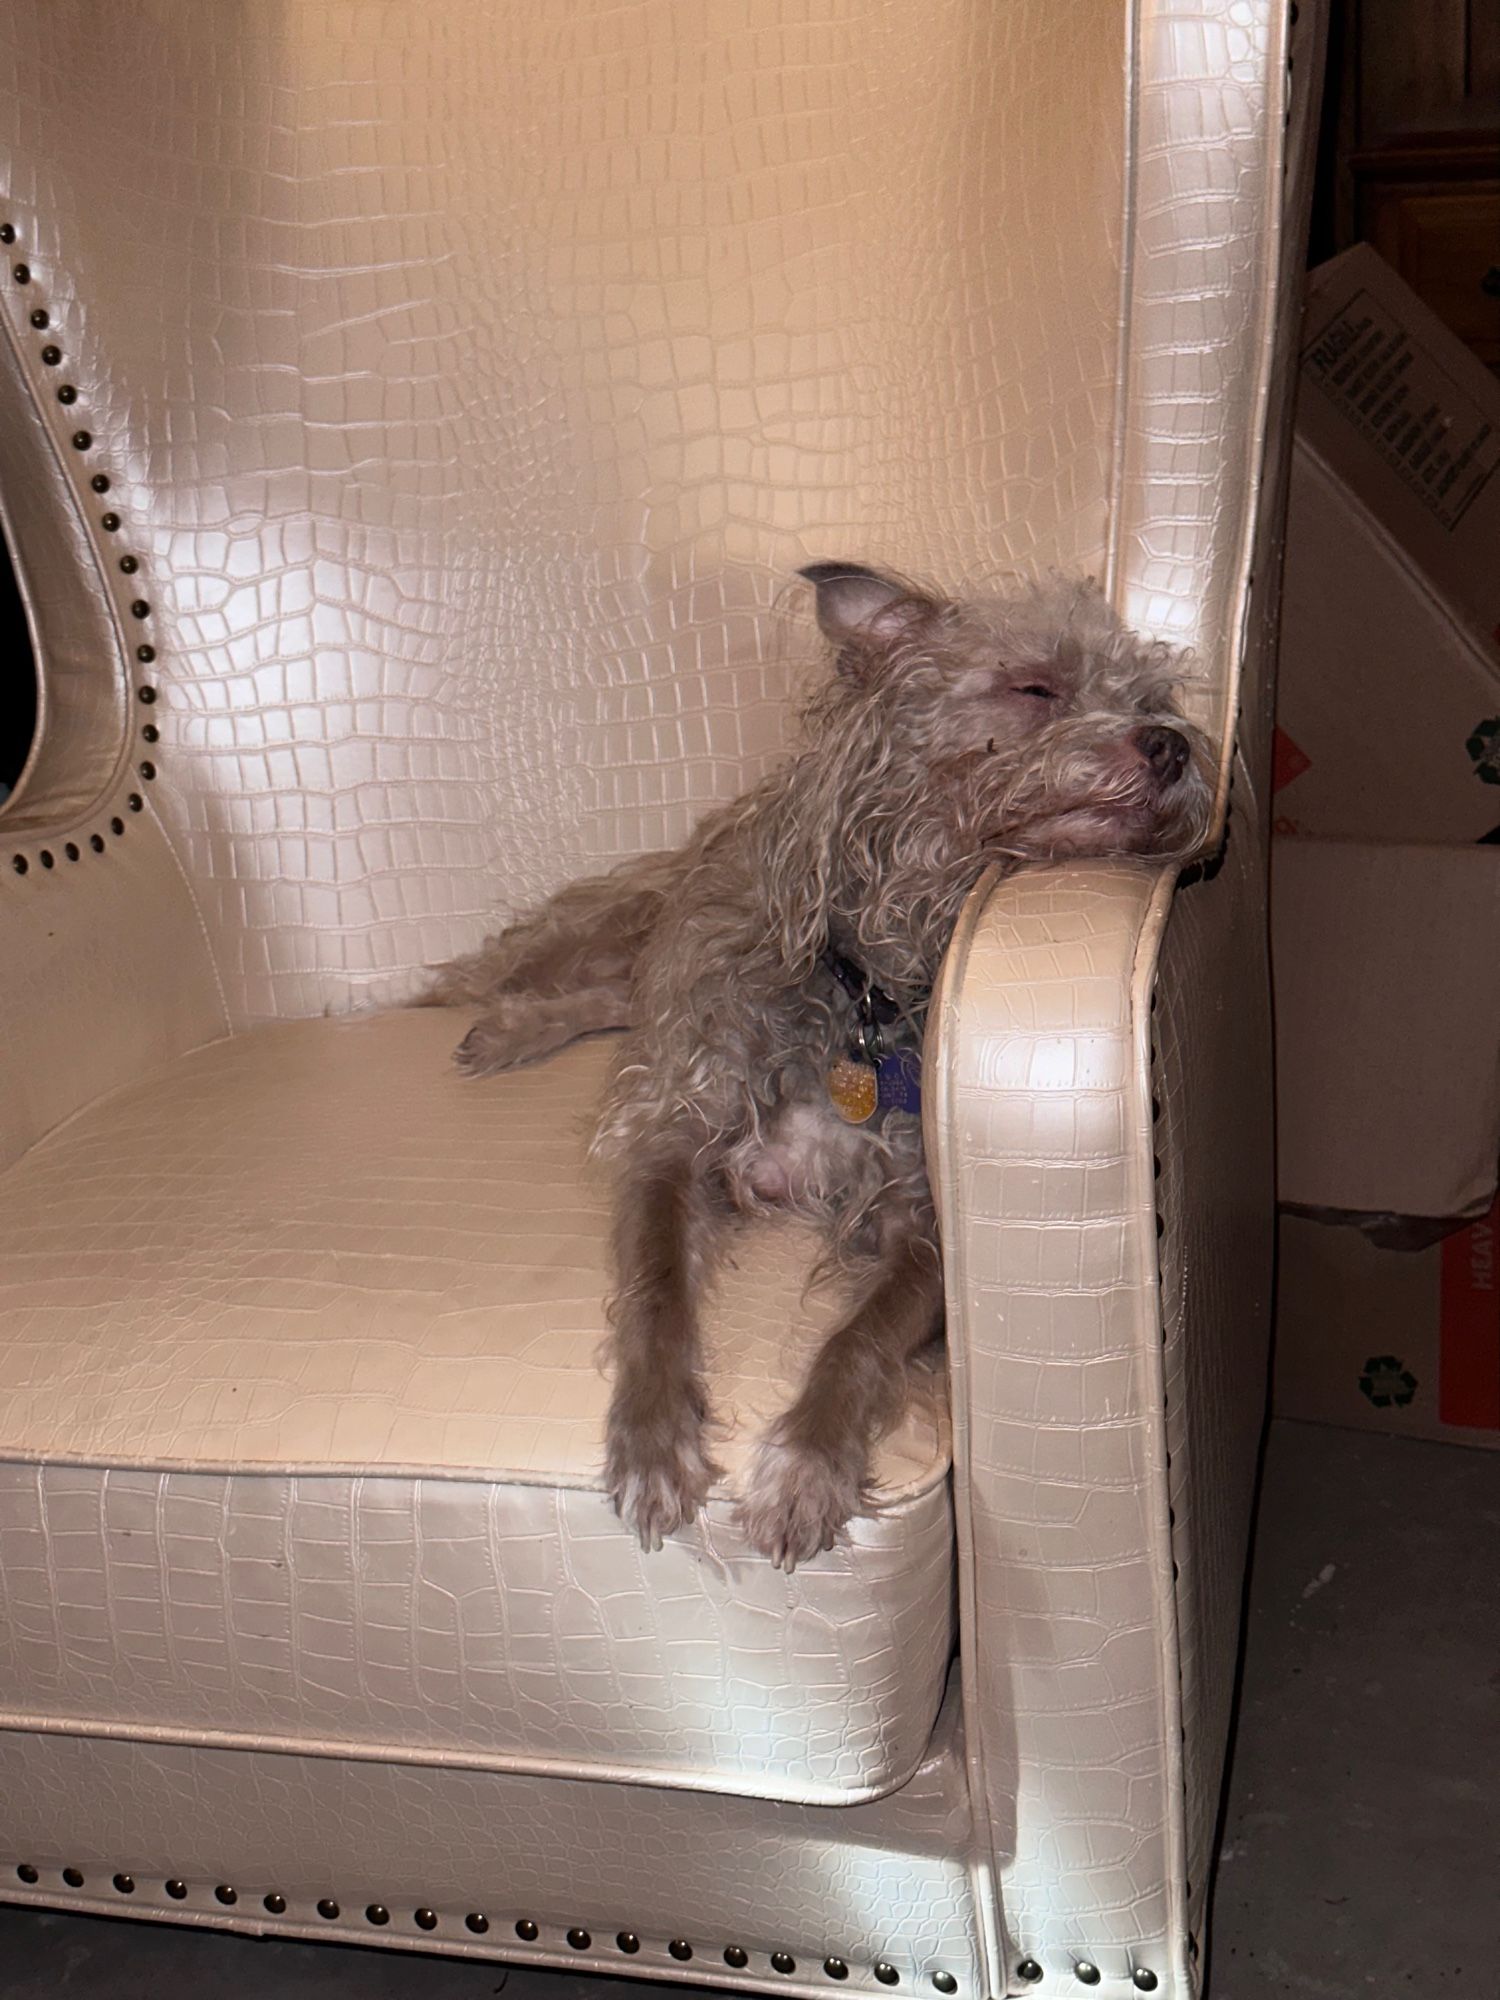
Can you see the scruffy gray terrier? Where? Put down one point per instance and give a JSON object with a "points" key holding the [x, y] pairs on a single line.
{"points": [[773, 976]]}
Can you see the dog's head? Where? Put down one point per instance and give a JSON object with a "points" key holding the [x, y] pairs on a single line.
{"points": [[1036, 725]]}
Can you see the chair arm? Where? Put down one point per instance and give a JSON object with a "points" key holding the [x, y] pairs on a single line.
{"points": [[1050, 1117]]}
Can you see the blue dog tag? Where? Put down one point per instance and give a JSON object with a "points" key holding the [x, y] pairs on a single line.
{"points": [[898, 1081]]}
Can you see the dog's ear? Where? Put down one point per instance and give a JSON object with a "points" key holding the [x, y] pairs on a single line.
{"points": [[859, 606]]}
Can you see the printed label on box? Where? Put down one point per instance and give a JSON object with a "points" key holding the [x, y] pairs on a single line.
{"points": [[1469, 1341], [1425, 426], [1288, 759]]}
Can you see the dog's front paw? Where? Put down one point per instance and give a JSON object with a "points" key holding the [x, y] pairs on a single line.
{"points": [[797, 1497], [658, 1473]]}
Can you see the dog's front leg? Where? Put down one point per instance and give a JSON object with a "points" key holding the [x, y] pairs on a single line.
{"points": [[811, 1470], [656, 1467]]}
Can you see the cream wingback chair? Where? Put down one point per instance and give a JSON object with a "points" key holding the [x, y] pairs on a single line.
{"points": [[412, 419]]}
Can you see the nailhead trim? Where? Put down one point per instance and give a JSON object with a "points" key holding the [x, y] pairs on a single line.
{"points": [[477, 1923], [82, 440]]}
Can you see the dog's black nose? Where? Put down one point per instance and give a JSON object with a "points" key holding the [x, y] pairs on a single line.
{"points": [[1165, 750]]}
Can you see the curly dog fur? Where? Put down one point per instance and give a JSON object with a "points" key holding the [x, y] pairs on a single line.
{"points": [[955, 733]]}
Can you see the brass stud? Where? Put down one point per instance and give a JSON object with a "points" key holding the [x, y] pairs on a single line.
{"points": [[40, 320], [887, 1974], [782, 1961], [96, 841], [146, 654], [1143, 1979], [377, 1913], [140, 608], [109, 522], [135, 802], [175, 1889], [225, 1895], [146, 694], [628, 1941], [1029, 1970], [24, 1869], [680, 1950], [129, 565], [150, 733], [737, 1956], [100, 482], [526, 1930], [67, 393], [477, 1922], [82, 440], [22, 274], [73, 1877], [51, 356], [275, 1903], [46, 861], [117, 827], [1086, 1972], [327, 1908], [835, 1968], [20, 864], [7, 232], [425, 1920], [71, 850], [148, 772], [579, 1938], [945, 1982]]}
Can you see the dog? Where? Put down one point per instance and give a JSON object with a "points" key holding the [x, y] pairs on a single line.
{"points": [[772, 977]]}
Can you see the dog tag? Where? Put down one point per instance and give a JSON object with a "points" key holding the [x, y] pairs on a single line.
{"points": [[854, 1090], [898, 1081]]}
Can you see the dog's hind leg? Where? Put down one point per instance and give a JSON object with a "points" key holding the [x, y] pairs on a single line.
{"points": [[811, 1470], [586, 937], [657, 1469], [520, 1028], [565, 970]]}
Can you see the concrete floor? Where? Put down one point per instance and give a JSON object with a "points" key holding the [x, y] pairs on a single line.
{"points": [[1362, 1845]]}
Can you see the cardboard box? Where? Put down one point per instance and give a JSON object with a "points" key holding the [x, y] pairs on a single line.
{"points": [[1390, 1340], [1386, 868], [1388, 706], [1387, 975]]}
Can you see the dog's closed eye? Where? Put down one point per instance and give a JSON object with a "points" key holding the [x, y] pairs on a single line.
{"points": [[1041, 692]]}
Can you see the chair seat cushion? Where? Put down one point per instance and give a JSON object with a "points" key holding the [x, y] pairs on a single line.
{"points": [[301, 1416]]}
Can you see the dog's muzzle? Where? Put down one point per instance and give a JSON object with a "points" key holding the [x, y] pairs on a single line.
{"points": [[1165, 752]]}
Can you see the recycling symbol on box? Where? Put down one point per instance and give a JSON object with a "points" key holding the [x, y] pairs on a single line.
{"points": [[1484, 747], [1385, 1382]]}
